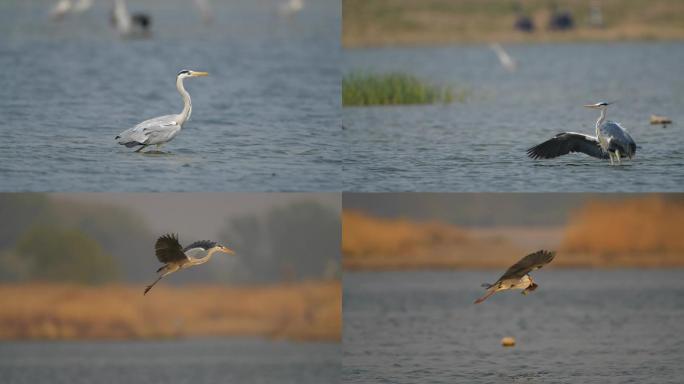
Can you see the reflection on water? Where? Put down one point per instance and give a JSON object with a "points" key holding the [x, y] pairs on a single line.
{"points": [[193, 361], [480, 145], [580, 326], [266, 119]]}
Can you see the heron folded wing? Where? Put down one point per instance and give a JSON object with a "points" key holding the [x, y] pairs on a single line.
{"points": [[567, 142], [168, 249], [527, 264], [202, 245], [618, 138]]}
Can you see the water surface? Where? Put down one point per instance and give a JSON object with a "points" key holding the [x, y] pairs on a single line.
{"points": [[580, 326], [189, 361], [480, 145]]}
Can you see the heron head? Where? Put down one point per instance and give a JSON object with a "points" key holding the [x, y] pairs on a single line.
{"points": [[599, 105], [188, 73], [224, 249]]}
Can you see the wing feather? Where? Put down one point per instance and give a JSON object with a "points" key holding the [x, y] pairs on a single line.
{"points": [[567, 142], [168, 249], [527, 264]]}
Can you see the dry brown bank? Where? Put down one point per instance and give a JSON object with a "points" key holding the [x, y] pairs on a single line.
{"points": [[302, 311], [415, 22]]}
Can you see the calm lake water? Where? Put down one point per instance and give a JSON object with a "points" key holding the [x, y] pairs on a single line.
{"points": [[480, 145], [266, 119], [580, 326], [198, 361]]}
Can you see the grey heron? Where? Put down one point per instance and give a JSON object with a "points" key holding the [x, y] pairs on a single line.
{"points": [[174, 257], [127, 24], [517, 276], [611, 141], [162, 129]]}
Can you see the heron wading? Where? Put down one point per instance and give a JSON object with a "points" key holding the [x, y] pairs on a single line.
{"points": [[174, 257], [611, 141], [162, 129]]}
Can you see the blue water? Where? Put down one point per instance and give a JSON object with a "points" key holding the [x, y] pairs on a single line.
{"points": [[479, 145], [267, 118], [189, 361], [579, 326]]}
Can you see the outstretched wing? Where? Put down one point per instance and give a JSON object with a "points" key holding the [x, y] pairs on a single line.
{"points": [[567, 142], [168, 249], [527, 264]]}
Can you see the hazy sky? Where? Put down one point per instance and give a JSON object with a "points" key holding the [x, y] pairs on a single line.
{"points": [[198, 215]]}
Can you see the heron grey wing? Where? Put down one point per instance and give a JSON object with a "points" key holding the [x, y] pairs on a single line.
{"points": [[618, 137], [201, 244], [527, 264], [168, 249], [567, 142], [148, 130]]}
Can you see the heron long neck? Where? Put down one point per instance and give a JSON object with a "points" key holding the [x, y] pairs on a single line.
{"points": [[187, 102], [600, 121], [206, 258]]}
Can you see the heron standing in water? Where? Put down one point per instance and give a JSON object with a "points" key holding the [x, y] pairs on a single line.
{"points": [[174, 257], [517, 276], [611, 141], [162, 129]]}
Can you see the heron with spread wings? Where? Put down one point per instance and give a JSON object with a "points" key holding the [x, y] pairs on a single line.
{"points": [[611, 141], [174, 257], [517, 276]]}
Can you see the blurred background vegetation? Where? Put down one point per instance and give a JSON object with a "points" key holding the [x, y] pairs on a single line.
{"points": [[43, 238]]}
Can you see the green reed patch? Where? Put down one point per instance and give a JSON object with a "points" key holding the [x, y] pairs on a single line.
{"points": [[365, 89]]}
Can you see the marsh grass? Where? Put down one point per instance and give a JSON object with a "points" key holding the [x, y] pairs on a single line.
{"points": [[366, 89]]}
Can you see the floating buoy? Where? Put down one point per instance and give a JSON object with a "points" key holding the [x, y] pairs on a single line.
{"points": [[657, 120], [508, 342]]}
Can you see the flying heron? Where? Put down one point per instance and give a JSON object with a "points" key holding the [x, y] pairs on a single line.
{"points": [[162, 129], [517, 276], [174, 257], [611, 141]]}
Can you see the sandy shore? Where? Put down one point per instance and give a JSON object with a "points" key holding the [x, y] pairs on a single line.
{"points": [[304, 311]]}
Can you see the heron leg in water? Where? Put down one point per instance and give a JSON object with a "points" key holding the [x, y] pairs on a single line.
{"points": [[141, 148], [610, 155], [617, 156]]}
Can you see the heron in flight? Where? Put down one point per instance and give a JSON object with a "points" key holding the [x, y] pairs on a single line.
{"points": [[175, 257], [517, 276], [611, 141], [162, 129]]}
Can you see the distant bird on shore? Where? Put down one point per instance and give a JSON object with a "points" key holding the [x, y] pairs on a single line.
{"points": [[611, 141], [517, 276], [174, 257], [136, 25], [162, 129], [504, 58]]}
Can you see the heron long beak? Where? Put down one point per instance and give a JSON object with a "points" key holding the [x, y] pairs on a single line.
{"points": [[228, 250], [199, 74], [594, 106]]}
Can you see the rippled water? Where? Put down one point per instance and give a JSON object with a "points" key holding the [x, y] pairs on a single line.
{"points": [[266, 119], [580, 326], [198, 361], [480, 145]]}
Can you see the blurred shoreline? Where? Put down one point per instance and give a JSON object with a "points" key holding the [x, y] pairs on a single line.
{"points": [[307, 311], [415, 22], [633, 232]]}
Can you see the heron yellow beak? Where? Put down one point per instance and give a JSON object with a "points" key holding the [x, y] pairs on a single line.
{"points": [[198, 74], [591, 106], [227, 250]]}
